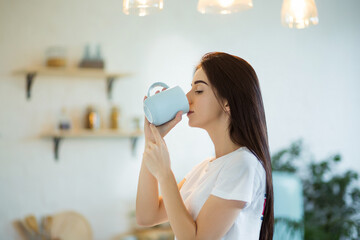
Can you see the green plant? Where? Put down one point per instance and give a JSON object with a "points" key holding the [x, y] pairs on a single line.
{"points": [[331, 200]]}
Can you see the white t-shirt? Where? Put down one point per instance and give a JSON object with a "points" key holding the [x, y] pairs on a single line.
{"points": [[238, 175]]}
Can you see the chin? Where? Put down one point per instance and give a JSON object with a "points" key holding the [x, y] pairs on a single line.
{"points": [[190, 124], [194, 125]]}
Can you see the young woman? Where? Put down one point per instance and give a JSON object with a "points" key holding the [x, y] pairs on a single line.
{"points": [[228, 196]]}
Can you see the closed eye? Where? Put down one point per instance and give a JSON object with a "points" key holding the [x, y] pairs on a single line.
{"points": [[198, 92]]}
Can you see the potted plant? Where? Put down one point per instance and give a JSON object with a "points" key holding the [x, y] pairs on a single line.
{"points": [[331, 199]]}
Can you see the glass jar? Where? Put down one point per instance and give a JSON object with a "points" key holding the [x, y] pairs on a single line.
{"points": [[92, 118], [56, 57]]}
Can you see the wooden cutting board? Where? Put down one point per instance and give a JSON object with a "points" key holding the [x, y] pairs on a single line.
{"points": [[70, 225]]}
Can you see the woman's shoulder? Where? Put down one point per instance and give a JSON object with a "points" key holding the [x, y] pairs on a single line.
{"points": [[244, 159]]}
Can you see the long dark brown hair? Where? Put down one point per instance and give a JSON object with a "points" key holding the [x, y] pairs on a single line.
{"points": [[232, 78]]}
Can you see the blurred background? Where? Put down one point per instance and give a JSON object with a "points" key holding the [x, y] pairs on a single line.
{"points": [[309, 79]]}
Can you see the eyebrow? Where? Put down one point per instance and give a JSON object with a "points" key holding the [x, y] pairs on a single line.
{"points": [[199, 81]]}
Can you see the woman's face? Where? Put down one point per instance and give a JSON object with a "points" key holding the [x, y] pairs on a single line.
{"points": [[204, 107]]}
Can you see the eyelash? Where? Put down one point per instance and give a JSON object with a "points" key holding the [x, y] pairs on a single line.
{"points": [[198, 92]]}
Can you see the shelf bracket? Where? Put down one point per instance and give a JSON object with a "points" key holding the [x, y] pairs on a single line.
{"points": [[109, 84], [57, 141], [29, 81], [133, 145], [56, 147]]}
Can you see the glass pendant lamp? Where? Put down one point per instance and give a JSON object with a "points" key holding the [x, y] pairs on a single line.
{"points": [[299, 13], [142, 7], [223, 6]]}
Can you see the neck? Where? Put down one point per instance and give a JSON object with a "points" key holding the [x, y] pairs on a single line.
{"points": [[220, 137]]}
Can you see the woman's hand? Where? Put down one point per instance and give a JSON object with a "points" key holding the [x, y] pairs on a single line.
{"points": [[163, 129], [156, 155]]}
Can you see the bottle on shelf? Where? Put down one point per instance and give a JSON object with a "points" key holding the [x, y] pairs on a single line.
{"points": [[92, 61], [115, 118], [64, 122]]}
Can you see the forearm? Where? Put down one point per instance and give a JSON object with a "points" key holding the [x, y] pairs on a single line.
{"points": [[181, 221], [147, 200]]}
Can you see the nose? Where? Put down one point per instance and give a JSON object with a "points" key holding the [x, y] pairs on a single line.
{"points": [[188, 97]]}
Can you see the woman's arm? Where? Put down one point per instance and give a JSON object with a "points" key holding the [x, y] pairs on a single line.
{"points": [[150, 208], [148, 211], [214, 220], [216, 216]]}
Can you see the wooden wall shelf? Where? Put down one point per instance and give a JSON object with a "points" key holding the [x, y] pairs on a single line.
{"points": [[31, 73], [57, 136]]}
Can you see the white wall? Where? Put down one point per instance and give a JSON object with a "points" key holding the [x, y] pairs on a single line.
{"points": [[309, 79]]}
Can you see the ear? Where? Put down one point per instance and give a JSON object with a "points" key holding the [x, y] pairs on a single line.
{"points": [[227, 108]]}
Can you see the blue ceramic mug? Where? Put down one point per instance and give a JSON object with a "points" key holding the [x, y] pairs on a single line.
{"points": [[163, 106]]}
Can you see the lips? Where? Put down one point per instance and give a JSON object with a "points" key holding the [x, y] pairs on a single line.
{"points": [[190, 112]]}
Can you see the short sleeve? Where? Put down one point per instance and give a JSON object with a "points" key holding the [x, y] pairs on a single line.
{"points": [[236, 180]]}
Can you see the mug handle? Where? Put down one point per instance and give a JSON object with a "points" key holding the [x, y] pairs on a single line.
{"points": [[161, 84]]}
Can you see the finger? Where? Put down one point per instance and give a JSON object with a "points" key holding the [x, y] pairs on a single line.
{"points": [[157, 91], [156, 134], [147, 121], [179, 115], [147, 156], [172, 123], [177, 119], [151, 145], [164, 89]]}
